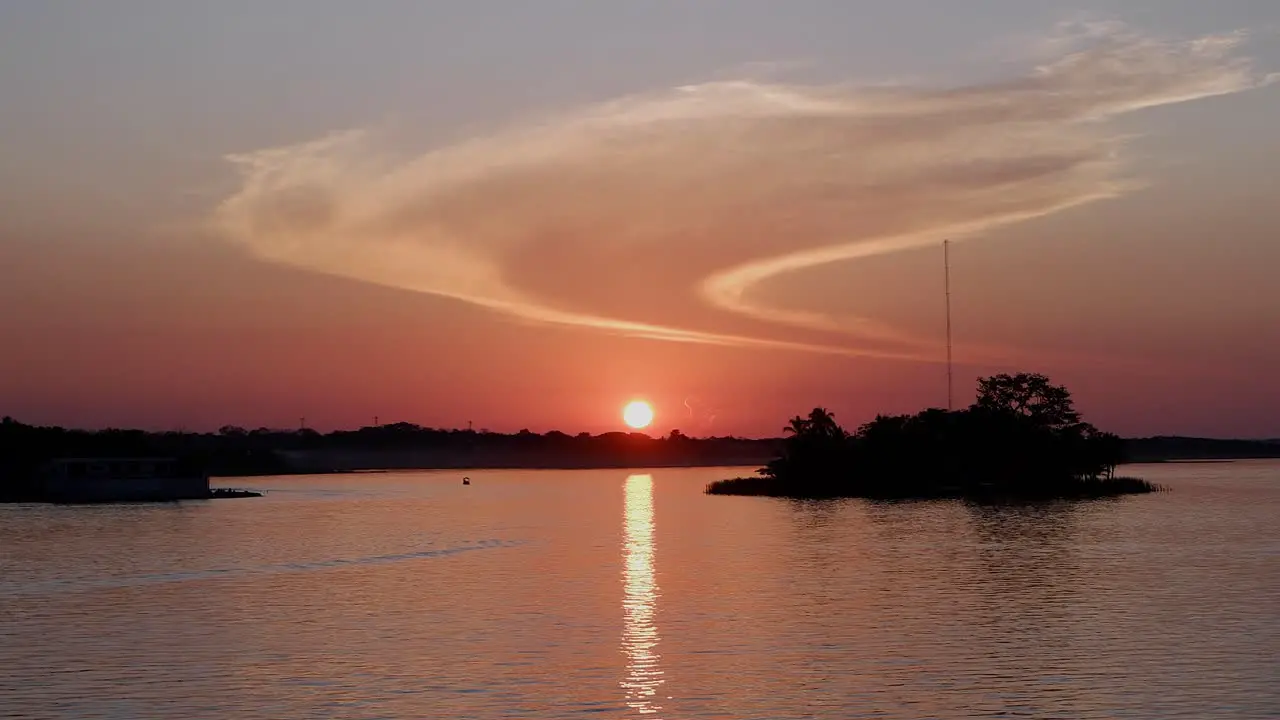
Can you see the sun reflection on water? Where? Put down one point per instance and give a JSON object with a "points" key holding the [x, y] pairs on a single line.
{"points": [[640, 595]]}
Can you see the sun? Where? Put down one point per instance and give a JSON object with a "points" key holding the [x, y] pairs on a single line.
{"points": [[637, 414]]}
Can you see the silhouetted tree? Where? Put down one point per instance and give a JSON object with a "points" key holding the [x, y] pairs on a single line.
{"points": [[797, 426], [815, 452], [1030, 395], [822, 422]]}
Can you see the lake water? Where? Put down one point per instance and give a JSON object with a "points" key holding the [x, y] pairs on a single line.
{"points": [[615, 594]]}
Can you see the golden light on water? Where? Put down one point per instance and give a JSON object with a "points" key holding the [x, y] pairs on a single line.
{"points": [[640, 597]]}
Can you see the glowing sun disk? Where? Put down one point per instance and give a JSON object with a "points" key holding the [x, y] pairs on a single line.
{"points": [[637, 414]]}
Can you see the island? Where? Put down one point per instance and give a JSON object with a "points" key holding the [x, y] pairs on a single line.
{"points": [[1021, 439]]}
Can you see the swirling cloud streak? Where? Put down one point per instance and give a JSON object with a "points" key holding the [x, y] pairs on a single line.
{"points": [[657, 215]]}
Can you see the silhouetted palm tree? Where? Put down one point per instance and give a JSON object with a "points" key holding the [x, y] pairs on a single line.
{"points": [[797, 426], [822, 422]]}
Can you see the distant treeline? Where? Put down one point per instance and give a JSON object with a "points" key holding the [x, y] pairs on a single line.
{"points": [[1164, 449], [233, 451], [238, 451]]}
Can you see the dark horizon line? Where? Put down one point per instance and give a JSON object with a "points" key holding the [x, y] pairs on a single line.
{"points": [[182, 430]]}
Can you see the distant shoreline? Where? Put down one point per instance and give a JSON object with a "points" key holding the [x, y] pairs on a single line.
{"points": [[234, 452], [619, 466], [1195, 461], [30, 497], [552, 467]]}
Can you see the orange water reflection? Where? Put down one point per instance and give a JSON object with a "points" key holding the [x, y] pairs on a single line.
{"points": [[640, 596]]}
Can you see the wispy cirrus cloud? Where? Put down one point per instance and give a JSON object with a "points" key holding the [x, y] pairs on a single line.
{"points": [[657, 215]]}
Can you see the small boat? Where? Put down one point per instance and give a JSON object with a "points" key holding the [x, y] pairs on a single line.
{"points": [[466, 481]]}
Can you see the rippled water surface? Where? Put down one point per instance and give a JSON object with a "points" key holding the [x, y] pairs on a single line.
{"points": [[613, 594]]}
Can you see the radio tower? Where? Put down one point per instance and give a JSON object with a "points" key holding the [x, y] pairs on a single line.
{"points": [[946, 284]]}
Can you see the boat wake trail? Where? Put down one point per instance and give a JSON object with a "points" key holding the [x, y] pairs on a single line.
{"points": [[85, 585]]}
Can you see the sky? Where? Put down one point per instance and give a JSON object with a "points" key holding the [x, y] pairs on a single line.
{"points": [[525, 215]]}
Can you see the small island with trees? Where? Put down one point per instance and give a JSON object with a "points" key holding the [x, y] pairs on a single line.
{"points": [[1021, 439]]}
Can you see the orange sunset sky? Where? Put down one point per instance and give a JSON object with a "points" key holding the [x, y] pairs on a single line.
{"points": [[525, 216]]}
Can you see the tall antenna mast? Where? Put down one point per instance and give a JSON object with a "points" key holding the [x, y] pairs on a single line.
{"points": [[946, 268]]}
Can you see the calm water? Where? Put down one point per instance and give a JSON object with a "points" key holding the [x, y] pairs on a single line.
{"points": [[614, 594]]}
